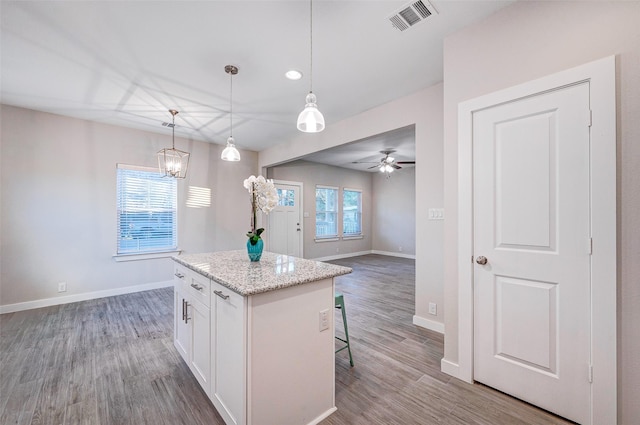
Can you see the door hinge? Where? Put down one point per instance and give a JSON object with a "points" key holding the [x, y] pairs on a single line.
{"points": [[590, 373], [590, 118], [590, 246]]}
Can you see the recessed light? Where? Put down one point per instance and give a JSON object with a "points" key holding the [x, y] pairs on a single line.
{"points": [[293, 74]]}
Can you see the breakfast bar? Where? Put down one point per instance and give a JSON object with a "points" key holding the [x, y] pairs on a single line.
{"points": [[258, 336]]}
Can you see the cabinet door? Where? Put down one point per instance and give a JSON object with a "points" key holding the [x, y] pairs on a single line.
{"points": [[182, 330], [229, 359], [201, 348]]}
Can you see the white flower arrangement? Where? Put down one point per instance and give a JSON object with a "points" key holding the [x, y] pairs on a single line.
{"points": [[264, 197]]}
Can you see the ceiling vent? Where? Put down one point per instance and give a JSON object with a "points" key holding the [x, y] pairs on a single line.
{"points": [[411, 14]]}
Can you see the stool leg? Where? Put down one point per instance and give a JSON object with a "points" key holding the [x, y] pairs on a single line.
{"points": [[346, 330]]}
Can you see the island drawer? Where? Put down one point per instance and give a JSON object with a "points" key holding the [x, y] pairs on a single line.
{"points": [[199, 287], [180, 273]]}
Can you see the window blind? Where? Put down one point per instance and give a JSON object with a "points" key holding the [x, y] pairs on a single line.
{"points": [[147, 211]]}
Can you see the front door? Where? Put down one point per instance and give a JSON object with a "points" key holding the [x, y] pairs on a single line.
{"points": [[532, 244], [285, 221]]}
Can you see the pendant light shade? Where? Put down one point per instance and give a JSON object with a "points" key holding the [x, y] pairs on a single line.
{"points": [[311, 119], [230, 153], [171, 161]]}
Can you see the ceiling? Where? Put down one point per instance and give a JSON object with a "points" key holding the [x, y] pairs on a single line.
{"points": [[363, 154], [127, 62]]}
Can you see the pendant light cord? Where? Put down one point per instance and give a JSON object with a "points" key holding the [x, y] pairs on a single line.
{"points": [[173, 131], [311, 49], [231, 104]]}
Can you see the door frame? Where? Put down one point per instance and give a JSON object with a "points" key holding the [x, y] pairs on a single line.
{"points": [[601, 77], [300, 211]]}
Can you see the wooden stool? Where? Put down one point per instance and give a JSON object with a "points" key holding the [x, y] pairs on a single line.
{"points": [[340, 305]]}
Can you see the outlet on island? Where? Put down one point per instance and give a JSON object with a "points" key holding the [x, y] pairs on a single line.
{"points": [[324, 320]]}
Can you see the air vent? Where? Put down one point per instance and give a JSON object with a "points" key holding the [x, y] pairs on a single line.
{"points": [[411, 14]]}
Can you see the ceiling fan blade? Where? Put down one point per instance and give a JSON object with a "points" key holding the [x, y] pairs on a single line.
{"points": [[364, 162], [375, 166], [397, 167], [405, 162]]}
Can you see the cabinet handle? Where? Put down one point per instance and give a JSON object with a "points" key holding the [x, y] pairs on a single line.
{"points": [[221, 295], [186, 312], [197, 287], [178, 275]]}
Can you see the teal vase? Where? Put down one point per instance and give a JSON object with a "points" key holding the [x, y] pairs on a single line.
{"points": [[255, 251]]}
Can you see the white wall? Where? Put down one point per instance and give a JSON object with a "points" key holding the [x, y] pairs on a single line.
{"points": [[393, 227], [58, 213], [526, 41], [424, 109], [312, 174]]}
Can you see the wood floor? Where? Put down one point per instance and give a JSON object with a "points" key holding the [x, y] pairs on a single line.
{"points": [[111, 361]]}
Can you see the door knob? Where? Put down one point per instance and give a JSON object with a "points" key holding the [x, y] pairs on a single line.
{"points": [[481, 260]]}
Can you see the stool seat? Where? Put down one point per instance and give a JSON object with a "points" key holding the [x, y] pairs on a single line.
{"points": [[339, 302]]}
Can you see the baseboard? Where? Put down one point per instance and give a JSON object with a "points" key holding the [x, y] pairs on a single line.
{"points": [[340, 256], [323, 416], [394, 254], [428, 324], [450, 368], [359, 253], [47, 302]]}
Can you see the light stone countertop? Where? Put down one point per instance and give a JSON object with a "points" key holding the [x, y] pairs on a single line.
{"points": [[233, 270]]}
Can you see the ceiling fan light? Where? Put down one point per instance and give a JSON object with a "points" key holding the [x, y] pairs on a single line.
{"points": [[386, 168], [230, 153], [311, 119]]}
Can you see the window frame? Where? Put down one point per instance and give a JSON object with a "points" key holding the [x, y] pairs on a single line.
{"points": [[148, 253], [357, 235], [336, 212]]}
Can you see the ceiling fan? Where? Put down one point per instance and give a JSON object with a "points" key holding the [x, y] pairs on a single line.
{"points": [[388, 163]]}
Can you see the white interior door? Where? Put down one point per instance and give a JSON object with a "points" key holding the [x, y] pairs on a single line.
{"points": [[532, 223], [285, 220]]}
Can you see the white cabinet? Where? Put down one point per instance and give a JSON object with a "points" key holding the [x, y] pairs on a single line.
{"points": [[192, 334], [181, 329], [228, 359]]}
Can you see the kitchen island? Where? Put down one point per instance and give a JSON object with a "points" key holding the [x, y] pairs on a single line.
{"points": [[258, 337]]}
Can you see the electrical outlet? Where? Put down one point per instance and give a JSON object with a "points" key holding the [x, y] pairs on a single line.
{"points": [[399, 249], [433, 308], [436, 213], [62, 287], [324, 320]]}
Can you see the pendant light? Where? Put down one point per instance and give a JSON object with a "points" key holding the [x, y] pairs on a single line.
{"points": [[230, 153], [173, 162], [310, 119]]}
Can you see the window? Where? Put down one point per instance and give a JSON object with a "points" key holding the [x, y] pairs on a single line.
{"points": [[286, 197], [326, 212], [351, 212], [147, 211]]}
